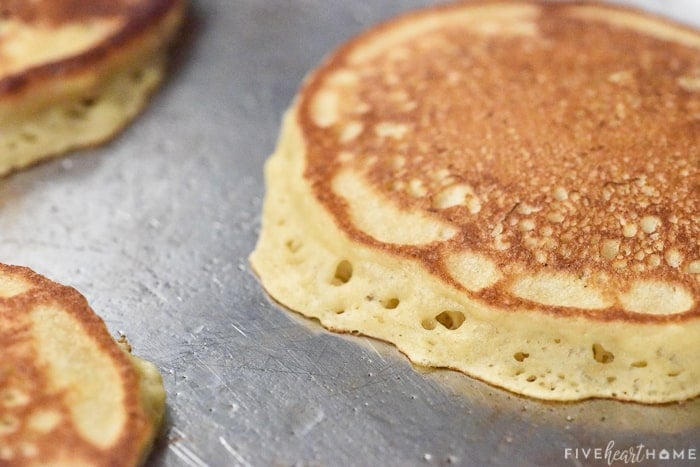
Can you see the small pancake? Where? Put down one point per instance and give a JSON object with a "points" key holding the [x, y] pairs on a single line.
{"points": [[505, 188], [69, 394], [73, 73]]}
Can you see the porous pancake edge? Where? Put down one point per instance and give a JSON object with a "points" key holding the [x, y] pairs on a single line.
{"points": [[142, 401], [596, 280], [62, 108], [394, 299]]}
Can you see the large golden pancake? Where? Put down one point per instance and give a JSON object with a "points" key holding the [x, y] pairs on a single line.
{"points": [[72, 73], [509, 189], [69, 394]]}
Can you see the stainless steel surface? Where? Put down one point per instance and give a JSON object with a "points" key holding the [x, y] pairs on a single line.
{"points": [[155, 229]]}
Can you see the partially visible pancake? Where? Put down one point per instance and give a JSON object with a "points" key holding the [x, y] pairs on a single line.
{"points": [[69, 394], [73, 73], [509, 189]]}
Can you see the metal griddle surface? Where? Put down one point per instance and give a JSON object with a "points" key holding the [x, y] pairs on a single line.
{"points": [[155, 229]]}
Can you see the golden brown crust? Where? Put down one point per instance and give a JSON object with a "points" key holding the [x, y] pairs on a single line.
{"points": [[135, 19], [578, 143], [20, 370]]}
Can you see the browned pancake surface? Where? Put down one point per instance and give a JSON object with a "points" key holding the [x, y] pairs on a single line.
{"points": [[575, 149]]}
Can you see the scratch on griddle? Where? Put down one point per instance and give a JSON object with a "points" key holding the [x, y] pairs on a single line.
{"points": [[310, 424], [239, 330], [371, 344], [318, 360], [186, 454], [264, 369], [380, 418], [143, 265], [152, 291], [236, 455], [216, 375]]}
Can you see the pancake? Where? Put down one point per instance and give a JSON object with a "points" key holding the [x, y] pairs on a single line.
{"points": [[69, 394], [73, 73], [509, 189]]}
